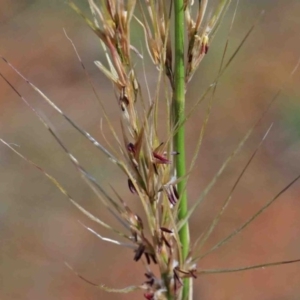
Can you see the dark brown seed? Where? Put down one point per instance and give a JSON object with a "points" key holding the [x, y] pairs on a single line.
{"points": [[166, 230], [171, 198], [149, 296], [161, 159], [153, 258], [177, 281], [131, 148], [175, 192], [124, 100], [148, 258], [131, 187], [206, 48], [139, 252], [166, 241]]}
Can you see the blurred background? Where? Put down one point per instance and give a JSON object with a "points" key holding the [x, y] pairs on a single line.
{"points": [[39, 228]]}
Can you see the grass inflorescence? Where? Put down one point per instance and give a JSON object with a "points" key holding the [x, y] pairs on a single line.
{"points": [[154, 163]]}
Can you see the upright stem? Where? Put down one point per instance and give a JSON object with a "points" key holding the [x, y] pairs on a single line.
{"points": [[179, 138]]}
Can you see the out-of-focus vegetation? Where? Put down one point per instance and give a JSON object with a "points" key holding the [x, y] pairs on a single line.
{"points": [[39, 228]]}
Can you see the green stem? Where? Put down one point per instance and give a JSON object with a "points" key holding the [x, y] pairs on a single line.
{"points": [[179, 138]]}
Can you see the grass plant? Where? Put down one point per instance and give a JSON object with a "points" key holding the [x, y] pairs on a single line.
{"points": [[178, 35]]}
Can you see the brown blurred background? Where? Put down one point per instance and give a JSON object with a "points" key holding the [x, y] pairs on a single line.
{"points": [[38, 226]]}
